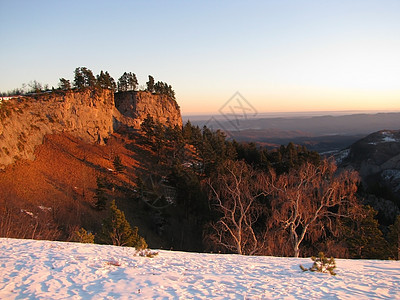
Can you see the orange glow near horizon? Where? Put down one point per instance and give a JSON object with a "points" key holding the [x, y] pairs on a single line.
{"points": [[301, 101]]}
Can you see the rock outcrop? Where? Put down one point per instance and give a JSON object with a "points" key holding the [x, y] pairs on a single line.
{"points": [[25, 121], [136, 105], [90, 114]]}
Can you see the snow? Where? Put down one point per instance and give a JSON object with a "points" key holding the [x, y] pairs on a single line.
{"points": [[387, 139], [342, 155], [391, 174], [388, 136], [58, 270], [44, 208]]}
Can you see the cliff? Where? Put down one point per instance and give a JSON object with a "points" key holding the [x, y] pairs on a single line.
{"points": [[91, 115], [26, 120], [135, 106]]}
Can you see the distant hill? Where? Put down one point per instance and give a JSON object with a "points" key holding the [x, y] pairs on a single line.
{"points": [[377, 159]]}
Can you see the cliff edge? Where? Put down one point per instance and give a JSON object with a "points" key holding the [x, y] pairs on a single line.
{"points": [[135, 106], [90, 114]]}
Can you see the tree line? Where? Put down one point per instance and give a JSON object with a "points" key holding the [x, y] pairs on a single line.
{"points": [[84, 78]]}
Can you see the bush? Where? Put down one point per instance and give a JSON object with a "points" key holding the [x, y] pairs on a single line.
{"points": [[321, 264], [82, 236], [147, 253]]}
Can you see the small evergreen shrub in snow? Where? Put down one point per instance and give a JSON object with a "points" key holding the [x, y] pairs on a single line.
{"points": [[147, 253], [321, 264], [82, 236]]}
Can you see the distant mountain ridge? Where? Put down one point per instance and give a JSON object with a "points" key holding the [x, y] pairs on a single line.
{"points": [[313, 125], [320, 133]]}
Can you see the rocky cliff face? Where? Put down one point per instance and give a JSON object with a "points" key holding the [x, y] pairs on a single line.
{"points": [[136, 105], [26, 120], [91, 115]]}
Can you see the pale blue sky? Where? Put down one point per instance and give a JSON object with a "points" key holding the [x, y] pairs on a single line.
{"points": [[280, 55]]}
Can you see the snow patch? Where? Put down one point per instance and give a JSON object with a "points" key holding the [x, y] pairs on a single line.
{"points": [[44, 208], [58, 270], [388, 136], [29, 213], [342, 155], [391, 174]]}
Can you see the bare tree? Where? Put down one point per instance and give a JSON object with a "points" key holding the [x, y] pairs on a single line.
{"points": [[306, 202], [234, 194]]}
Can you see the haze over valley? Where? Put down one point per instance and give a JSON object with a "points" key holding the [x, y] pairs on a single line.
{"points": [[319, 131]]}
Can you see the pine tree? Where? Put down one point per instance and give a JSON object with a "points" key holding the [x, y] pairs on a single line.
{"points": [[84, 78], [148, 126], [150, 84], [132, 81], [90, 80], [79, 79], [118, 166], [117, 231], [105, 81], [101, 198], [363, 236], [64, 84], [127, 82], [187, 132], [394, 239]]}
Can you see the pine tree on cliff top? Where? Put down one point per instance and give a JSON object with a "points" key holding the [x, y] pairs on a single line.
{"points": [[150, 84]]}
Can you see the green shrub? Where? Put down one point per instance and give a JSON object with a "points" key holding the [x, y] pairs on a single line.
{"points": [[82, 236], [117, 231], [321, 264]]}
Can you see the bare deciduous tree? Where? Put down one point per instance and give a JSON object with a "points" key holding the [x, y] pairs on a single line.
{"points": [[234, 194], [306, 202]]}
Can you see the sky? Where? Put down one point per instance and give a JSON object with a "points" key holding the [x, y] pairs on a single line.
{"points": [[281, 56]]}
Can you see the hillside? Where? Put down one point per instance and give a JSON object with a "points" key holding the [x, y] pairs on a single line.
{"points": [[377, 159], [45, 269], [54, 147]]}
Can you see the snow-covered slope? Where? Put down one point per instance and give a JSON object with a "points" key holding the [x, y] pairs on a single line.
{"points": [[56, 270]]}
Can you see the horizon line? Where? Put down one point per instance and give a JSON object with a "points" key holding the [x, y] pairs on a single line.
{"points": [[300, 113]]}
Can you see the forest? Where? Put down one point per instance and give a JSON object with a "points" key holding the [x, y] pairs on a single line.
{"points": [[283, 202]]}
